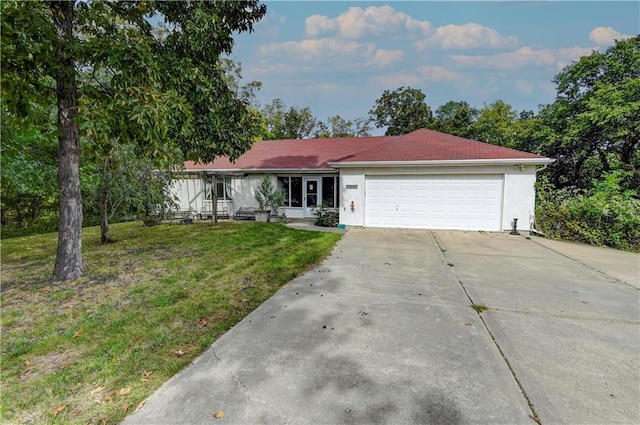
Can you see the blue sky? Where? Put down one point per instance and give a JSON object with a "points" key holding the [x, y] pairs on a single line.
{"points": [[337, 57]]}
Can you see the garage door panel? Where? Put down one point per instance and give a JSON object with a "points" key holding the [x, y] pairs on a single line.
{"points": [[434, 202]]}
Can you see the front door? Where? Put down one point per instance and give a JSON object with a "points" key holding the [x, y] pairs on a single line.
{"points": [[312, 196]]}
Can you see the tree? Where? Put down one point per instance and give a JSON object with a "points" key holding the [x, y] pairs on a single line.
{"points": [[299, 123], [456, 118], [593, 127], [340, 127], [496, 124], [274, 118], [401, 111], [336, 126], [29, 169], [164, 90], [362, 127], [294, 123], [125, 185]]}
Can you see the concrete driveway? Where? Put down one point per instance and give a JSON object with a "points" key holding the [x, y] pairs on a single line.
{"points": [[383, 332]]}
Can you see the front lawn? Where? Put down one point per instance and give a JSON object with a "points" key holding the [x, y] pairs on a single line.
{"points": [[91, 351]]}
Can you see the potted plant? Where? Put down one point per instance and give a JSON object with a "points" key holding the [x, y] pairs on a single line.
{"points": [[276, 201], [263, 195], [270, 201]]}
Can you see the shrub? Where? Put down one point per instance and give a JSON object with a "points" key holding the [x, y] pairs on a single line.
{"points": [[267, 196], [326, 217], [604, 216]]}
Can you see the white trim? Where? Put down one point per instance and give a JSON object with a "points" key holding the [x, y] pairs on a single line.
{"points": [[240, 172], [307, 210], [447, 162]]}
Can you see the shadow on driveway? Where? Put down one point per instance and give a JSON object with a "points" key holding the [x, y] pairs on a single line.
{"points": [[382, 332]]}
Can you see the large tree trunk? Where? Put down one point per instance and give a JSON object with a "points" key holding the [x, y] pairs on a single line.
{"points": [[69, 255]]}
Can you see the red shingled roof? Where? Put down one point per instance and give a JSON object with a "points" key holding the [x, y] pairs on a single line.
{"points": [[420, 145]]}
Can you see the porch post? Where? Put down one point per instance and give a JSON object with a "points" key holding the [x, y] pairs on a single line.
{"points": [[214, 200]]}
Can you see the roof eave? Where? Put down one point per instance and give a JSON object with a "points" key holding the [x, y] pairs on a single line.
{"points": [[261, 170], [440, 163]]}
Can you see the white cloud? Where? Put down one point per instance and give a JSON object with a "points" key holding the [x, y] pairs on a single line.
{"points": [[318, 24], [524, 57], [415, 25], [357, 22], [317, 50], [395, 80], [466, 36], [605, 36], [263, 69], [383, 58], [333, 52], [437, 74]]}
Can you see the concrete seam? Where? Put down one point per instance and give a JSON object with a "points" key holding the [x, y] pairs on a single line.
{"points": [[586, 265], [245, 390], [534, 416], [574, 317]]}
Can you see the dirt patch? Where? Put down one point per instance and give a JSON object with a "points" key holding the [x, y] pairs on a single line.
{"points": [[49, 363]]}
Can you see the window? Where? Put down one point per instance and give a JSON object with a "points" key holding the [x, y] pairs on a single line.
{"points": [[292, 188], [223, 189], [330, 191]]}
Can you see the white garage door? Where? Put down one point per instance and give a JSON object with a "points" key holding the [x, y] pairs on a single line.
{"points": [[462, 202]]}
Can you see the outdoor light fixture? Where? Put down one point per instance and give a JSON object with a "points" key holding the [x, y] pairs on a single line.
{"points": [[353, 206]]}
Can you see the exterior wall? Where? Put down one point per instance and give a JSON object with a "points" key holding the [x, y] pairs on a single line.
{"points": [[191, 196], [189, 192], [243, 191], [352, 178], [519, 197], [518, 191]]}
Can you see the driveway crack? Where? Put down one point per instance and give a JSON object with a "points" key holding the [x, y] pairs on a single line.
{"points": [[587, 265], [245, 390], [534, 416]]}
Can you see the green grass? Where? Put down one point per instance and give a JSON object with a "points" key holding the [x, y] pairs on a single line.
{"points": [[90, 351], [479, 308]]}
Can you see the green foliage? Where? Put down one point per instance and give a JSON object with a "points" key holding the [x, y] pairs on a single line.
{"points": [[126, 185], [496, 124], [28, 174], [121, 82], [326, 217], [268, 197], [336, 126], [294, 123], [607, 215], [300, 123], [593, 127], [401, 111], [339, 127], [456, 118]]}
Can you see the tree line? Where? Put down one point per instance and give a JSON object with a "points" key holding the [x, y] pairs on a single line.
{"points": [[96, 99], [591, 130]]}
